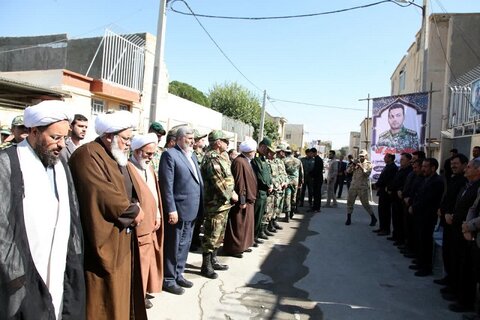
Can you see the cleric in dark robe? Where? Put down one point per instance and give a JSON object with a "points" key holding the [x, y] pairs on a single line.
{"points": [[110, 212], [239, 234], [41, 244]]}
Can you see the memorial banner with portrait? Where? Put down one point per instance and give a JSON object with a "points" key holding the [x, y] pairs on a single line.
{"points": [[475, 99], [398, 126]]}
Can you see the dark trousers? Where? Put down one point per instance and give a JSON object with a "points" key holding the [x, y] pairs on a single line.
{"points": [[196, 241], [259, 211], [397, 220], [339, 186], [306, 186], [384, 211], [425, 226], [176, 243], [448, 251], [317, 193], [410, 231]]}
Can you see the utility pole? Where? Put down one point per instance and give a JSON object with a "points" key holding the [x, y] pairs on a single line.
{"points": [[159, 46], [424, 45], [262, 116], [366, 121]]}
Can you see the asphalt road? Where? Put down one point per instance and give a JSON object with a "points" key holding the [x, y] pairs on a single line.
{"points": [[316, 268]]}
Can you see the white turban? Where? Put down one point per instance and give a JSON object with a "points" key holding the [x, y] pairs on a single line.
{"points": [[141, 140], [46, 113], [248, 145], [114, 122]]}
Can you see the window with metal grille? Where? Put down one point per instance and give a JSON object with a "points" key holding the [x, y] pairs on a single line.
{"points": [[124, 107], [98, 106]]}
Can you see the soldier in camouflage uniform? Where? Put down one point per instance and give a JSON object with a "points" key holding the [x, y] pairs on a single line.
{"points": [[294, 169], [198, 145], [272, 196], [361, 169], [264, 186], [157, 128], [219, 195], [19, 132], [398, 137]]}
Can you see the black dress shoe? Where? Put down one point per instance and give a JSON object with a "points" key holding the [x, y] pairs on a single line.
{"points": [[149, 296], [423, 273], [236, 255], [383, 233], [377, 230], [410, 255], [447, 290], [414, 267], [248, 250], [458, 307], [148, 304], [174, 289], [255, 244], [397, 243], [182, 282], [391, 238]]}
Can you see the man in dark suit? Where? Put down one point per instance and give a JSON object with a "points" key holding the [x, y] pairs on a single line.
{"points": [[342, 169], [317, 180], [182, 185], [424, 209], [384, 199]]}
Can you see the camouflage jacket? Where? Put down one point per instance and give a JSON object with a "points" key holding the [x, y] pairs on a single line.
{"points": [[293, 168], [278, 173], [156, 159], [361, 173], [199, 155], [218, 181], [7, 144], [405, 140]]}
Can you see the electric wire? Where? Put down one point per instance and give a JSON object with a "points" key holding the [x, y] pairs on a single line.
{"points": [[219, 48], [307, 15], [316, 105]]}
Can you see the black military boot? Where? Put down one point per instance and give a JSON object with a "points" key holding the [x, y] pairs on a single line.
{"points": [[216, 264], [270, 229], [207, 269], [262, 234], [349, 220], [287, 217], [266, 231], [276, 225]]}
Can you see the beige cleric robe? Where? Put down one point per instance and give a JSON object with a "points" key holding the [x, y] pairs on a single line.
{"points": [[150, 242], [109, 247]]}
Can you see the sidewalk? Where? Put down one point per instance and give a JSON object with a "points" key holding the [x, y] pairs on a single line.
{"points": [[316, 268]]}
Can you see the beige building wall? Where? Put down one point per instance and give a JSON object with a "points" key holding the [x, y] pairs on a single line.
{"points": [[295, 135], [354, 144]]}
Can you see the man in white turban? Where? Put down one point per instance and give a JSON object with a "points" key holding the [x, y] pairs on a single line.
{"points": [[239, 233], [150, 232], [110, 213], [41, 273]]}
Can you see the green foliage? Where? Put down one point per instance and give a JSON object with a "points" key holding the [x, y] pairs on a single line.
{"points": [[235, 102], [186, 91], [270, 129]]}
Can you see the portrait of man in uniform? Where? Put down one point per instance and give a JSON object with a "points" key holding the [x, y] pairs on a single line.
{"points": [[398, 136]]}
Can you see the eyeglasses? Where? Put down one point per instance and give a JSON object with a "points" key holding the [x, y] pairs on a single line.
{"points": [[125, 139]]}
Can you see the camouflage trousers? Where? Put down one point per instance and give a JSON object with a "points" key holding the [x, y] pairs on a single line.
{"points": [[214, 224], [290, 199], [362, 193], [269, 209], [279, 202]]}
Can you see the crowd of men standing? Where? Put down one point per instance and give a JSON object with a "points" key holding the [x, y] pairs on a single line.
{"points": [[414, 199], [91, 230]]}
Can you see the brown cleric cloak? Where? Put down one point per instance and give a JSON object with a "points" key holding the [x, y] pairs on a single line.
{"points": [[150, 242], [240, 225], [112, 268]]}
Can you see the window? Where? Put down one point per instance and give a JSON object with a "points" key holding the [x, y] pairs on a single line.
{"points": [[288, 136], [98, 106], [401, 78], [124, 107]]}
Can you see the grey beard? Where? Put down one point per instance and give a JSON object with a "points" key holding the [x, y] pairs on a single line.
{"points": [[119, 155], [46, 156]]}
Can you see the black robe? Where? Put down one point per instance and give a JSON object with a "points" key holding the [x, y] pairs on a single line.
{"points": [[23, 294]]}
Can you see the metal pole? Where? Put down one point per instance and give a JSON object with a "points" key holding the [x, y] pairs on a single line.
{"points": [[424, 46], [159, 46], [366, 122], [262, 116], [430, 120]]}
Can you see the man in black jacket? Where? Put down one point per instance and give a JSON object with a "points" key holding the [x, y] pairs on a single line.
{"points": [[455, 183], [384, 196], [424, 209], [317, 179]]}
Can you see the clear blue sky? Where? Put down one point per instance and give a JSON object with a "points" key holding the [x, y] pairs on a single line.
{"points": [[332, 60]]}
